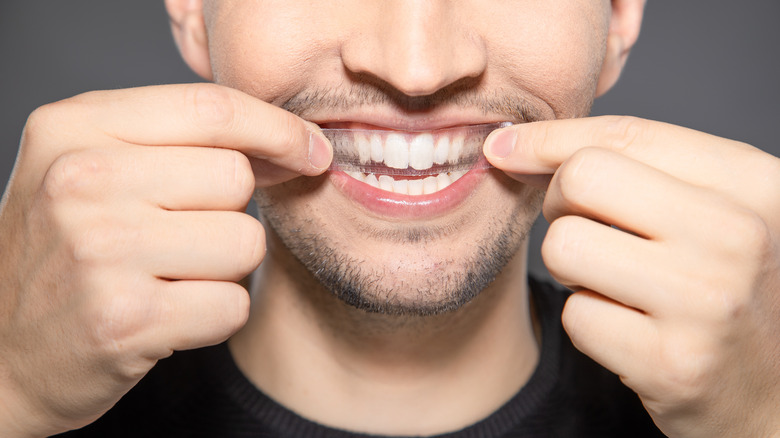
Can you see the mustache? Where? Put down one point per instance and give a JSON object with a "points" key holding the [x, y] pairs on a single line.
{"points": [[464, 93]]}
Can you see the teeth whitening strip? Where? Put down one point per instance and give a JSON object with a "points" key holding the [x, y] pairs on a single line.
{"points": [[406, 153]]}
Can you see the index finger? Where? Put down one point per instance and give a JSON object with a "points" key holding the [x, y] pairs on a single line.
{"points": [[692, 156], [206, 115]]}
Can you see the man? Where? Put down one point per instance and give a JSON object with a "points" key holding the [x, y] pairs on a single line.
{"points": [[376, 312]]}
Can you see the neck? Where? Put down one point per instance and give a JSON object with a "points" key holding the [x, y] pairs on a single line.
{"points": [[381, 374]]}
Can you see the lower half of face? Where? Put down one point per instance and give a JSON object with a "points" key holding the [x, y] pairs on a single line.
{"points": [[409, 243], [398, 265]]}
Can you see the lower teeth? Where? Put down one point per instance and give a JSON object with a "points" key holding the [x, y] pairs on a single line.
{"points": [[397, 184]]}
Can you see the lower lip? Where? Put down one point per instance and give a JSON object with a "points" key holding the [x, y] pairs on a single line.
{"points": [[397, 206]]}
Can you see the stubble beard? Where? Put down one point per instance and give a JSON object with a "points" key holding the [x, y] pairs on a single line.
{"points": [[358, 282]]}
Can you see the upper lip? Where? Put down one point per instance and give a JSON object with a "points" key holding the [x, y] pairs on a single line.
{"points": [[406, 122]]}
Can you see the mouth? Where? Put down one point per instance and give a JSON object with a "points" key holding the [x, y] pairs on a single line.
{"points": [[409, 174]]}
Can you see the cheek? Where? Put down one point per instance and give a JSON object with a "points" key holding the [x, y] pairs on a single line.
{"points": [[274, 49], [268, 55], [298, 199], [555, 53]]}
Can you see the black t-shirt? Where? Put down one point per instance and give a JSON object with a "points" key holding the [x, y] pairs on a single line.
{"points": [[202, 393]]}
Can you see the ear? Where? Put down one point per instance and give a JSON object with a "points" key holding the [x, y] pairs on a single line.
{"points": [[624, 25], [189, 32]]}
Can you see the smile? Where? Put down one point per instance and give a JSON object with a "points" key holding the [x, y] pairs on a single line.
{"points": [[409, 175], [409, 163]]}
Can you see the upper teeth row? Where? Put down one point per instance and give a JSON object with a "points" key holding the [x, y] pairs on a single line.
{"points": [[402, 151]]}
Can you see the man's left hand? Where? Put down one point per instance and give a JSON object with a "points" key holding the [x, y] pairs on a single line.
{"points": [[670, 239]]}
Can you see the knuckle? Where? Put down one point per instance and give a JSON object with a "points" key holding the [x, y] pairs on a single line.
{"points": [[539, 139], [684, 370], [721, 300], [770, 166], [75, 172], [727, 306], [41, 117], [42, 122], [110, 321], [623, 132], [231, 313], [239, 178], [115, 327], [240, 314], [285, 131], [578, 174], [757, 235], [54, 114], [251, 237], [102, 242], [573, 317], [749, 237], [552, 244], [114, 318], [558, 247], [213, 107], [49, 119]]}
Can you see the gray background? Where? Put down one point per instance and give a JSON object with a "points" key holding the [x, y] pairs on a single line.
{"points": [[712, 65]]}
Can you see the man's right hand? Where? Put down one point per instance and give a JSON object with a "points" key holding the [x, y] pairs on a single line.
{"points": [[122, 234]]}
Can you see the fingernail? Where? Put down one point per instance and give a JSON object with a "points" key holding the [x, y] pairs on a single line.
{"points": [[501, 143], [320, 154]]}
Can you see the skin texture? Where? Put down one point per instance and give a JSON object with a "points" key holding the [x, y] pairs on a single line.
{"points": [[348, 66], [692, 269], [90, 305], [405, 66], [448, 76], [121, 258]]}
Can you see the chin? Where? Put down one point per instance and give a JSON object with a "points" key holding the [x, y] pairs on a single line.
{"points": [[399, 267]]}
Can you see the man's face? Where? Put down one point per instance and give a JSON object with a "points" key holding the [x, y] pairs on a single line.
{"points": [[408, 66]]}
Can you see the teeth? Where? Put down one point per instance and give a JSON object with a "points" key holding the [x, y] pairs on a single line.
{"points": [[405, 151], [421, 152], [454, 176], [442, 150], [400, 186], [358, 176], [377, 151], [371, 180], [431, 185], [456, 147], [443, 180], [363, 144], [386, 183], [416, 187], [396, 152]]}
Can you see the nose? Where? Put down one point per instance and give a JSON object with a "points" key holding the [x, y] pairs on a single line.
{"points": [[416, 46]]}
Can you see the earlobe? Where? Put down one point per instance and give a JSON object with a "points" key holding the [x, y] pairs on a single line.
{"points": [[614, 61], [189, 32], [625, 23]]}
